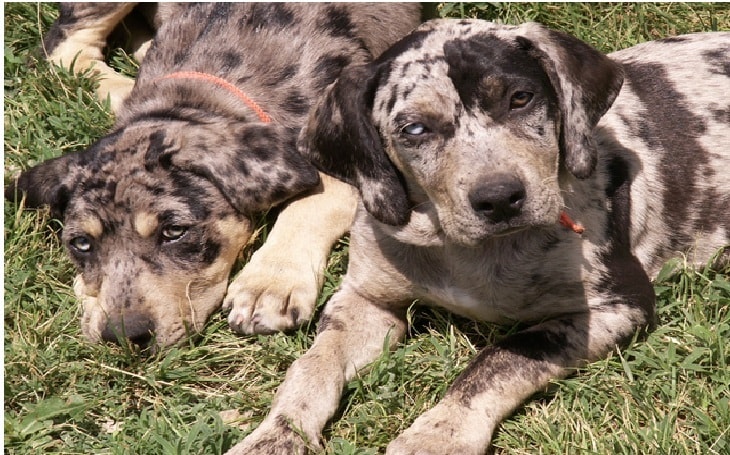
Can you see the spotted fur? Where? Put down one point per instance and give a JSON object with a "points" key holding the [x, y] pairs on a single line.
{"points": [[467, 140], [156, 212]]}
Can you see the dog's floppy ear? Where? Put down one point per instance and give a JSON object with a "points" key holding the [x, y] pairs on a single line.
{"points": [[586, 82], [341, 140], [255, 166], [52, 182]]}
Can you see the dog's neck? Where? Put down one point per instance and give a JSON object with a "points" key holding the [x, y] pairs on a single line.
{"points": [[222, 83], [192, 96]]}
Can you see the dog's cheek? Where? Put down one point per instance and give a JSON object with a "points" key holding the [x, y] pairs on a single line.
{"points": [[199, 295]]}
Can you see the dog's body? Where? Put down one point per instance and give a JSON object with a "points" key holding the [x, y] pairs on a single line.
{"points": [[472, 141], [156, 213]]}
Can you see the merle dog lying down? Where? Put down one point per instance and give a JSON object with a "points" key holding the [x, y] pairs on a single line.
{"points": [[509, 174], [156, 212]]}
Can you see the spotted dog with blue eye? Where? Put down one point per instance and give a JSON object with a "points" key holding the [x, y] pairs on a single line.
{"points": [[156, 213], [469, 142]]}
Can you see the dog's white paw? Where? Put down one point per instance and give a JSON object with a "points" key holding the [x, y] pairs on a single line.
{"points": [[444, 429], [272, 437], [272, 294], [426, 444]]}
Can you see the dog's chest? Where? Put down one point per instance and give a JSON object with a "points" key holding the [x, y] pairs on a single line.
{"points": [[512, 281]]}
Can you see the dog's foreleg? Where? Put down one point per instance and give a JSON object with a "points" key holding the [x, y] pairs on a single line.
{"points": [[501, 377], [277, 289], [352, 333], [78, 38]]}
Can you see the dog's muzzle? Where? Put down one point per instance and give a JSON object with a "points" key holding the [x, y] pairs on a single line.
{"points": [[138, 329], [500, 199]]}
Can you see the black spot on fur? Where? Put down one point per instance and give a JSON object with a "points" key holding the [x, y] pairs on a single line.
{"points": [[296, 103], [230, 60], [618, 193], [329, 322], [158, 152], [625, 278], [269, 15], [675, 139], [329, 67], [280, 77], [337, 22], [215, 17], [720, 62], [184, 185], [508, 68], [211, 252]]}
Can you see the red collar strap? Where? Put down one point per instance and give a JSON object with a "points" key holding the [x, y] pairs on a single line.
{"points": [[263, 116]]}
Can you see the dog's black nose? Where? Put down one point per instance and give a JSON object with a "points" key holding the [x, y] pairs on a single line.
{"points": [[500, 199], [138, 329]]}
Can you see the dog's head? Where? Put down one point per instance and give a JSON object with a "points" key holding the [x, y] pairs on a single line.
{"points": [[155, 214], [469, 119]]}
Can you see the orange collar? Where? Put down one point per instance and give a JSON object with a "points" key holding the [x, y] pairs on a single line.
{"points": [[263, 116], [566, 221]]}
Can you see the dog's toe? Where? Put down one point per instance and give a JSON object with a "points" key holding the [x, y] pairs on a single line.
{"points": [[274, 437], [258, 304]]}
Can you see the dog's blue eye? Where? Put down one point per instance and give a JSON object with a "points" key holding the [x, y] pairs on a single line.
{"points": [[520, 99], [415, 129], [173, 232], [81, 244]]}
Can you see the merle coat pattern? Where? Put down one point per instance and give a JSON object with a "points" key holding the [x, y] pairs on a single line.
{"points": [[156, 212], [467, 141]]}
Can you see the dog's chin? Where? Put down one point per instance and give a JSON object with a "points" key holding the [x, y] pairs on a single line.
{"points": [[475, 233]]}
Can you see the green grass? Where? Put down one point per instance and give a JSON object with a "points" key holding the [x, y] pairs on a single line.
{"points": [[666, 395]]}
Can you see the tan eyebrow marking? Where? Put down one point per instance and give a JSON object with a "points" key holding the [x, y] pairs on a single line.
{"points": [[145, 223], [92, 226]]}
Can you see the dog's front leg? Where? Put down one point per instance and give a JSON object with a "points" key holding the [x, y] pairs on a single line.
{"points": [[352, 332], [501, 377], [277, 289]]}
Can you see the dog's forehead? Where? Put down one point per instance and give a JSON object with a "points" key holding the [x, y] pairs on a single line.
{"points": [[426, 43], [470, 53], [118, 184], [114, 200]]}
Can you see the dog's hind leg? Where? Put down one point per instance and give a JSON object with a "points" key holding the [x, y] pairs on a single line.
{"points": [[352, 334], [78, 38], [277, 289]]}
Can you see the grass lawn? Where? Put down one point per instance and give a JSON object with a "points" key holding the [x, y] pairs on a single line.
{"points": [[669, 394]]}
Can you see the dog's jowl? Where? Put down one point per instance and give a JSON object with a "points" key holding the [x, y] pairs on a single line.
{"points": [[156, 213], [509, 174]]}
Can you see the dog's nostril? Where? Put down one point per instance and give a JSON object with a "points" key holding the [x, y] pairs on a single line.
{"points": [[143, 340], [139, 330], [500, 199]]}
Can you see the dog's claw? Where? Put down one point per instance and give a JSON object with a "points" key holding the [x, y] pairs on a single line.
{"points": [[267, 299]]}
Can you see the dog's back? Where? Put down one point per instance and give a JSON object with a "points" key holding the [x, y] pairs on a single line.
{"points": [[306, 47], [668, 134]]}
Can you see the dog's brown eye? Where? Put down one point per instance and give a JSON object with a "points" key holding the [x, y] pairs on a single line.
{"points": [[520, 99], [81, 244], [173, 232]]}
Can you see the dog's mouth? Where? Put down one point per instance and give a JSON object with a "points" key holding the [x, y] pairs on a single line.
{"points": [[509, 231]]}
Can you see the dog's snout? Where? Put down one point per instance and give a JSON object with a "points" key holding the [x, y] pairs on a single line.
{"points": [[138, 329], [500, 199]]}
